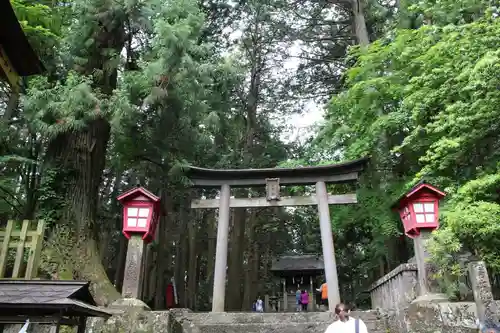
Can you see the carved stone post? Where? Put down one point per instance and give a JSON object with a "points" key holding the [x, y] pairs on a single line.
{"points": [[133, 275], [486, 306]]}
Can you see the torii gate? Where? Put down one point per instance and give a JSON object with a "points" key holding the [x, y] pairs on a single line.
{"points": [[272, 179]]}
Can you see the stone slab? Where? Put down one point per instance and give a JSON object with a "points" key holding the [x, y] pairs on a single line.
{"points": [[185, 321]]}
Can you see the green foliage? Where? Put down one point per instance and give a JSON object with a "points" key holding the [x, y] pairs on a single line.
{"points": [[452, 11], [51, 203], [475, 226], [423, 104], [63, 108]]}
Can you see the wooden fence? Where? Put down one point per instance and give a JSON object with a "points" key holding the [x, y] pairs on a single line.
{"points": [[17, 237]]}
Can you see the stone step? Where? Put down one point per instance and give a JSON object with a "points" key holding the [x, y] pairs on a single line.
{"points": [[207, 318], [264, 328], [273, 328], [281, 322]]}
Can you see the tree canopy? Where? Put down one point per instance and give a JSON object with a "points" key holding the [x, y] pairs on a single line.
{"points": [[134, 91]]}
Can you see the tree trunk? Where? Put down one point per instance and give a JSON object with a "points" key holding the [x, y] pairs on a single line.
{"points": [[148, 272], [164, 255], [181, 258], [212, 237], [359, 23], [32, 178], [120, 262], [12, 105], [248, 285], [80, 156], [236, 260], [193, 259]]}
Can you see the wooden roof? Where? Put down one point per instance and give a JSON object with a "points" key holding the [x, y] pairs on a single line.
{"points": [[16, 45], [136, 191], [332, 173], [48, 298], [417, 187], [298, 263]]}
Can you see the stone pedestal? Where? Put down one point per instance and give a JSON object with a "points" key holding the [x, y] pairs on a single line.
{"points": [[134, 270], [486, 307]]}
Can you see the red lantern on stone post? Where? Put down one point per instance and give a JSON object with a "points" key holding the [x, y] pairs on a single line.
{"points": [[141, 211], [419, 209], [419, 212]]}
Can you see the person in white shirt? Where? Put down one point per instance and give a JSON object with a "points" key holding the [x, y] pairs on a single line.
{"points": [[346, 323], [259, 305]]}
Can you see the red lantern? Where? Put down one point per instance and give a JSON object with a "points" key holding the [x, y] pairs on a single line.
{"points": [[419, 209], [141, 212]]}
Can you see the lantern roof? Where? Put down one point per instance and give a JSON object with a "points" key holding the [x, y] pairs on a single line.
{"points": [[418, 188], [132, 193]]}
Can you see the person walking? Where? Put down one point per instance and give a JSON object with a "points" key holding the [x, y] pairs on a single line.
{"points": [[297, 300], [345, 323], [259, 305], [304, 300], [324, 294]]}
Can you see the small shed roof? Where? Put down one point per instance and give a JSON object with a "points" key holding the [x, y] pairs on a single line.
{"points": [[48, 298], [16, 45], [298, 263]]}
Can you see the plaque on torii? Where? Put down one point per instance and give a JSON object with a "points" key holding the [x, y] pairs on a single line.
{"points": [[273, 189]]}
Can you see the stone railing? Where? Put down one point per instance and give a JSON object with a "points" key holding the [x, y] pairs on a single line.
{"points": [[396, 289]]}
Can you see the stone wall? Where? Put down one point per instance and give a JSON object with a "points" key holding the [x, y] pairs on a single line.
{"points": [[396, 289], [395, 297]]}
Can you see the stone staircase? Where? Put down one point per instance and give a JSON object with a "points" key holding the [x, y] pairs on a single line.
{"points": [[288, 322]]}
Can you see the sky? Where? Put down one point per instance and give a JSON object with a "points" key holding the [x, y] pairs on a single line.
{"points": [[301, 125], [313, 114]]}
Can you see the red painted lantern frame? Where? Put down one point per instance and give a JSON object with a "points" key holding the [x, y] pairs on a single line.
{"points": [[419, 209], [140, 199]]}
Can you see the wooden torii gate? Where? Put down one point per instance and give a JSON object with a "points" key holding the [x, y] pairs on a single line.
{"points": [[273, 179]]}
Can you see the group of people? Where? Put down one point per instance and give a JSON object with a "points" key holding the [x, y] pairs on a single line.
{"points": [[301, 299]]}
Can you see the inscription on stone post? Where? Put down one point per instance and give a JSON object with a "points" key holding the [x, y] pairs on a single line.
{"points": [[273, 189]]}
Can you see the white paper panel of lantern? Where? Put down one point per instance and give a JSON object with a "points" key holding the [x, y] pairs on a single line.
{"points": [[141, 222], [132, 211], [418, 207], [132, 222], [144, 212], [420, 218], [429, 207]]}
